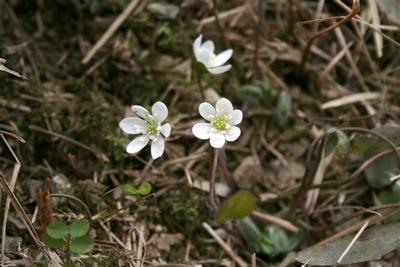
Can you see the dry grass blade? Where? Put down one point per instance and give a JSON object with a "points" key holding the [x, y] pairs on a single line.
{"points": [[352, 243], [275, 220], [351, 99], [332, 63], [225, 246], [13, 105], [10, 197], [5, 69], [110, 31], [373, 9]]}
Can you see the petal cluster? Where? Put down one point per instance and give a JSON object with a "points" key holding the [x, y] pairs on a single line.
{"points": [[221, 126], [204, 53], [149, 128]]}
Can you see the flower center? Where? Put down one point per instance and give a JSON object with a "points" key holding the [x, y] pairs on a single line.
{"points": [[152, 128], [212, 60], [221, 122]]}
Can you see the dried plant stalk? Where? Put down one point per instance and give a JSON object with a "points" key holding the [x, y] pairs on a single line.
{"points": [[44, 206]]}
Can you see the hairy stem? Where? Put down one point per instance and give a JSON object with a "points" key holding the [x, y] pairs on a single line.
{"points": [[213, 169], [68, 251]]}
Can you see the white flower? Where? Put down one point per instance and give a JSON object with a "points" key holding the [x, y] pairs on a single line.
{"points": [[205, 54], [149, 127], [222, 120]]}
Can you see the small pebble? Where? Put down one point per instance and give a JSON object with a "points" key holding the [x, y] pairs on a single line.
{"points": [[162, 10]]}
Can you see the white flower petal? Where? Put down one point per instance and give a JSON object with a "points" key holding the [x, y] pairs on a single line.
{"points": [[138, 143], [141, 111], [128, 125], [217, 140], [224, 104], [222, 57], [237, 116], [166, 129], [219, 70], [159, 111], [157, 147], [209, 46], [235, 134], [206, 109], [199, 130], [204, 57], [197, 45]]}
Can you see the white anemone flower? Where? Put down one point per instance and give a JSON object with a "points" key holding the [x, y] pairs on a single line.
{"points": [[222, 123], [149, 127], [204, 53]]}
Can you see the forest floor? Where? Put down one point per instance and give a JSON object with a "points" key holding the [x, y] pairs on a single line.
{"points": [[81, 71]]}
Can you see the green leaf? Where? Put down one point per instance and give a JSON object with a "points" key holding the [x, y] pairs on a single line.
{"points": [[391, 196], [237, 206], [274, 241], [380, 171], [79, 228], [57, 230], [283, 108], [343, 146], [51, 242], [339, 142], [370, 245], [372, 142], [199, 67], [82, 245], [250, 230], [129, 190], [144, 189]]}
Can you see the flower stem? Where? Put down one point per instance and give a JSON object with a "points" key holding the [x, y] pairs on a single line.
{"points": [[200, 86], [68, 251], [213, 169]]}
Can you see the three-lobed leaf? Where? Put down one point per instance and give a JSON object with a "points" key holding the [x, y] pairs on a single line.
{"points": [[129, 190], [144, 189], [79, 228], [82, 245], [51, 242], [57, 230]]}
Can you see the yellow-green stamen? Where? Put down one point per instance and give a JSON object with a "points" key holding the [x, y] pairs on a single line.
{"points": [[220, 122]]}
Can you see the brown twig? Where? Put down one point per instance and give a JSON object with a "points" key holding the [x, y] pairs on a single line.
{"points": [[354, 11]]}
